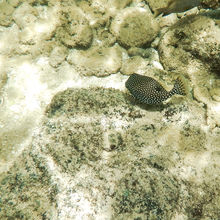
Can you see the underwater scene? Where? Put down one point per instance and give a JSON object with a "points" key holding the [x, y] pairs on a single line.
{"points": [[110, 109]]}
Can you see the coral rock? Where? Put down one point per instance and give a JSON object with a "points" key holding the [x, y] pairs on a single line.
{"points": [[134, 27]]}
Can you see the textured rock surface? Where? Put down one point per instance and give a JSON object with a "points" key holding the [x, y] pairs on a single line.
{"points": [[92, 148], [211, 4], [74, 30], [97, 61], [74, 144], [215, 4], [58, 55], [188, 48], [190, 42], [7, 9], [134, 27], [134, 64]]}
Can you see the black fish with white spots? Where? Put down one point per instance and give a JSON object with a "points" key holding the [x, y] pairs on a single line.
{"points": [[147, 90]]}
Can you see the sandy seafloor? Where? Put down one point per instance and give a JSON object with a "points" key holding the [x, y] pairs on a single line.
{"points": [[74, 144]]}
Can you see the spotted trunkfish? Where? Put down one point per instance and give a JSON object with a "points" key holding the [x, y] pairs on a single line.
{"points": [[147, 90]]}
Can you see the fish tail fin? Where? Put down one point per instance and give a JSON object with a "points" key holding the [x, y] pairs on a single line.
{"points": [[178, 88]]}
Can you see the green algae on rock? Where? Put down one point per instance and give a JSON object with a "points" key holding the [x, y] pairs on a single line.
{"points": [[74, 30], [93, 147], [90, 101], [191, 47], [26, 190], [134, 27], [95, 155], [190, 41], [145, 194]]}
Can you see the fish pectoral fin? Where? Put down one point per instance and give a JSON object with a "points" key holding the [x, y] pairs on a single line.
{"points": [[158, 89]]}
